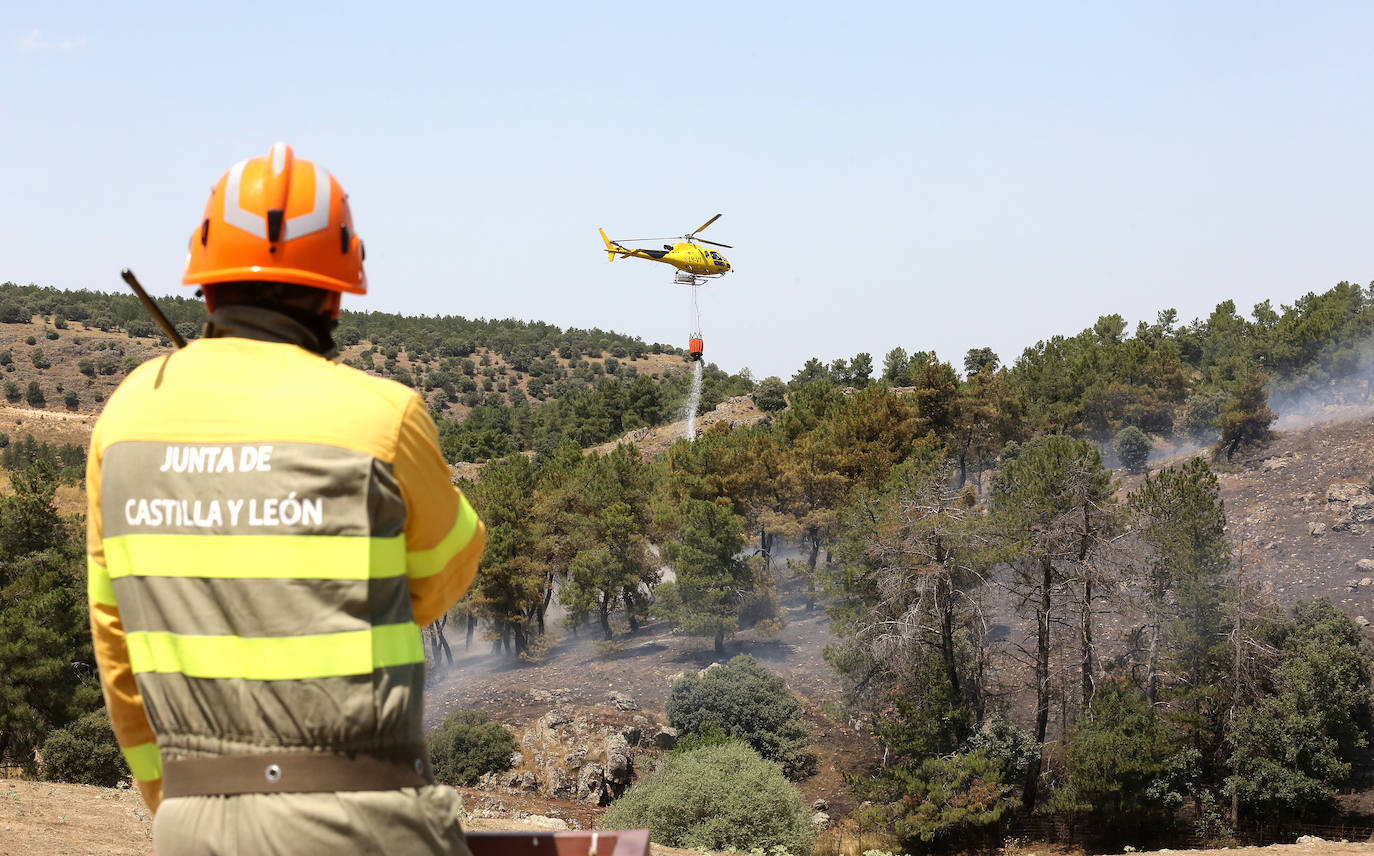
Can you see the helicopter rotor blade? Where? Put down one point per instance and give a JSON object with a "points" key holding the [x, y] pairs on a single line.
{"points": [[714, 243], [703, 226], [640, 240]]}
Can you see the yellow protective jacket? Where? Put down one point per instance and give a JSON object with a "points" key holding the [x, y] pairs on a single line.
{"points": [[268, 531]]}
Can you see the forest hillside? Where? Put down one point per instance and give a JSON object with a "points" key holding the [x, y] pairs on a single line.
{"points": [[1115, 590]]}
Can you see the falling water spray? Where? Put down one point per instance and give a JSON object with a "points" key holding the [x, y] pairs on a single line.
{"points": [[689, 410]]}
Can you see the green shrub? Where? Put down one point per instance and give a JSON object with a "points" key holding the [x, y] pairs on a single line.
{"points": [[140, 329], [746, 701], [1197, 418], [468, 745], [71, 399], [1010, 746], [954, 802], [771, 395], [40, 359], [85, 753], [1295, 750], [711, 735], [1119, 764], [30, 340], [1132, 447], [51, 334], [717, 798], [34, 394], [12, 392]]}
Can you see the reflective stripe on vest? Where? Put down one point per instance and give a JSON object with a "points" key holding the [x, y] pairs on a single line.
{"points": [[266, 659], [145, 761]]}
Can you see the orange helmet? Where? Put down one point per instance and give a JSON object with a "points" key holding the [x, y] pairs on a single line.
{"points": [[277, 219]]}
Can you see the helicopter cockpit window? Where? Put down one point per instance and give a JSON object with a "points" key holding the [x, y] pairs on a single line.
{"points": [[667, 246]]}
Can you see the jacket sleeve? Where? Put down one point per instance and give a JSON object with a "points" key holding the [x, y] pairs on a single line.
{"points": [[122, 699], [444, 537]]}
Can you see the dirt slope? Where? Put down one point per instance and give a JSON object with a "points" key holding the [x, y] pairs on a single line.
{"points": [[79, 820]]}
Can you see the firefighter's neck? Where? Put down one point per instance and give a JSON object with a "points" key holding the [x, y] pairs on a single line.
{"points": [[274, 324]]}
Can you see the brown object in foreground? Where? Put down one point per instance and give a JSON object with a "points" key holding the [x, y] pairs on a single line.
{"points": [[613, 842]]}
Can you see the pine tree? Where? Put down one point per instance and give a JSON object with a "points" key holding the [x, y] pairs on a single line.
{"points": [[1053, 506], [712, 581], [909, 564]]}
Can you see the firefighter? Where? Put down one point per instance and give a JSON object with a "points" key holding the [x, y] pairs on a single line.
{"points": [[268, 532]]}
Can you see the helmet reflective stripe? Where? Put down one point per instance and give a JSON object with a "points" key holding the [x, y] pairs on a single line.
{"points": [[253, 224], [278, 158], [318, 217]]}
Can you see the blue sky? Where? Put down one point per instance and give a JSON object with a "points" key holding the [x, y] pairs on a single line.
{"points": [[935, 176]]}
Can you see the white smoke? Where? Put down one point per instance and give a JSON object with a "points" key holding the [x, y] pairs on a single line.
{"points": [[689, 410], [1343, 395]]}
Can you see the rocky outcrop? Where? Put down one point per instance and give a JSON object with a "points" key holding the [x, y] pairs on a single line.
{"points": [[620, 762], [1352, 505], [572, 756], [623, 702], [591, 784]]}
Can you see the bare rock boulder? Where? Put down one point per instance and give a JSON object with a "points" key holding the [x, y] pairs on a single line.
{"points": [[1366, 565], [1343, 493], [561, 784], [666, 738], [591, 785], [620, 767], [623, 702]]}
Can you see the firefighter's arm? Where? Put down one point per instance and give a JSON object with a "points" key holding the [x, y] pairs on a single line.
{"points": [[444, 537], [122, 698]]}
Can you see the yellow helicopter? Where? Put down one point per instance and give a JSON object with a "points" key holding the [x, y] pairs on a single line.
{"points": [[685, 254]]}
